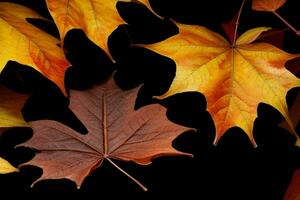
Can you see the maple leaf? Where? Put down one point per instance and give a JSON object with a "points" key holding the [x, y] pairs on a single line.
{"points": [[233, 78], [22, 42], [11, 104], [97, 18], [267, 5], [115, 131], [292, 192]]}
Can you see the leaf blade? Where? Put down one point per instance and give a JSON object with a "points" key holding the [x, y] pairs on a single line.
{"points": [[251, 35], [115, 130], [234, 80], [28, 45]]}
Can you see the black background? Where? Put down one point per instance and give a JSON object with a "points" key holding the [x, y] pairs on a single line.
{"points": [[231, 170]]}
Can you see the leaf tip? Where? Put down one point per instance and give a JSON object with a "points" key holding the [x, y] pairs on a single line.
{"points": [[216, 140], [157, 97], [6, 167]]}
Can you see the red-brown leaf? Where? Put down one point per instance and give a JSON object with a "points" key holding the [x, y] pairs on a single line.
{"points": [[115, 131]]}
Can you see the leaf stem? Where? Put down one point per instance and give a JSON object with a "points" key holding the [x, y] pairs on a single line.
{"points": [[237, 23], [128, 175], [286, 23]]}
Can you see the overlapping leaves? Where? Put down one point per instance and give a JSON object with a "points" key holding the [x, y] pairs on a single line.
{"points": [[28, 45], [97, 18], [234, 77]]}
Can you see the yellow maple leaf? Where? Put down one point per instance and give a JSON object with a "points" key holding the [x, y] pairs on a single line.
{"points": [[97, 18], [22, 42], [233, 78], [11, 104], [267, 5]]}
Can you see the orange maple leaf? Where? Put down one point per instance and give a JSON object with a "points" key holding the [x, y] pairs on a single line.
{"points": [[233, 78], [267, 5]]}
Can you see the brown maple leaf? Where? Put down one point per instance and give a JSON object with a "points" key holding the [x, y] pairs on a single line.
{"points": [[115, 131]]}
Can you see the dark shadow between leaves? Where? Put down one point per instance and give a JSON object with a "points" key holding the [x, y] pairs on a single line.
{"points": [[147, 28], [48, 106], [10, 139], [46, 100], [139, 65], [266, 129], [90, 63], [24, 79], [45, 25], [211, 13]]}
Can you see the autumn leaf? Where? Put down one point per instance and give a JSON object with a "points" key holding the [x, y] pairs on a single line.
{"points": [[22, 42], [233, 78], [11, 104], [97, 18], [293, 192], [115, 131], [267, 5], [6, 167]]}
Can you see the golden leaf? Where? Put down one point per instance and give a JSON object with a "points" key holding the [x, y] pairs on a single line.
{"points": [[97, 18], [233, 78], [22, 42]]}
